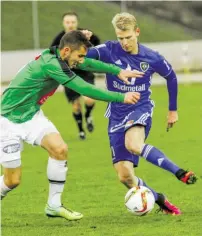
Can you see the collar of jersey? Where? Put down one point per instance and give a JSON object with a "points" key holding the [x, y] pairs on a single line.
{"points": [[140, 51], [55, 50], [58, 52]]}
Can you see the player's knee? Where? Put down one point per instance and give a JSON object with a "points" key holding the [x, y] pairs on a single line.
{"points": [[133, 147], [76, 106], [76, 109], [60, 152], [12, 181]]}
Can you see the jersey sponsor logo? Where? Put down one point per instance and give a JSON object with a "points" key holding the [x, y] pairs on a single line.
{"points": [[133, 79], [144, 66], [45, 97], [128, 88], [132, 82], [11, 148]]}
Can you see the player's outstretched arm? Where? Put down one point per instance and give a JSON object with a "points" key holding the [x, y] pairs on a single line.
{"points": [[60, 72], [101, 67], [164, 68], [86, 89]]}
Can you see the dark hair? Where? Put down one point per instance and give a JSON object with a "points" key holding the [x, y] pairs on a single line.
{"points": [[74, 39], [70, 13]]}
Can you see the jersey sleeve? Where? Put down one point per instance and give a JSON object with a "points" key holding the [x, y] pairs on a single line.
{"points": [[100, 52], [99, 66], [162, 66], [59, 71], [84, 88]]}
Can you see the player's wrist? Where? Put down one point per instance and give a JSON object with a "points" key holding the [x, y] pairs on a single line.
{"points": [[115, 70], [120, 97], [172, 107]]}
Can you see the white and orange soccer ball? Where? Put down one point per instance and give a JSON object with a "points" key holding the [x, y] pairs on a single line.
{"points": [[139, 200]]}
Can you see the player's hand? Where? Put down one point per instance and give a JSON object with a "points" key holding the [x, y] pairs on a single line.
{"points": [[125, 74], [172, 119], [131, 97], [87, 33]]}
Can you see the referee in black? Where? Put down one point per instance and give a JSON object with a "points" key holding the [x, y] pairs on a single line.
{"points": [[70, 22]]}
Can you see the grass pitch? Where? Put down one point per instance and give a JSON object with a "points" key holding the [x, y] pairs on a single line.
{"points": [[92, 186]]}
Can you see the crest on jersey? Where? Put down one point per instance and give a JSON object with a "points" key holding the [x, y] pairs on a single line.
{"points": [[144, 66]]}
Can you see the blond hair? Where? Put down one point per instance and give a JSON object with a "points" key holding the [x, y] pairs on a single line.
{"points": [[124, 21]]}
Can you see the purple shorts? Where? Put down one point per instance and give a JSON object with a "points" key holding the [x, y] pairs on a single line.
{"points": [[116, 132]]}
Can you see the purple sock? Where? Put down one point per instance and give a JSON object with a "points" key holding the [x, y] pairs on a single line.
{"points": [[142, 183], [156, 157]]}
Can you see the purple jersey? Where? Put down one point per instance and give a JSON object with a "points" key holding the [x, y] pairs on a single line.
{"points": [[146, 60], [123, 116]]}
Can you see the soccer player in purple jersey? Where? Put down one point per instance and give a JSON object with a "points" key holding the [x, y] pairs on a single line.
{"points": [[129, 125]]}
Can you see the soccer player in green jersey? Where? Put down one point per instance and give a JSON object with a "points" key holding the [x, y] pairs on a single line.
{"points": [[23, 120]]}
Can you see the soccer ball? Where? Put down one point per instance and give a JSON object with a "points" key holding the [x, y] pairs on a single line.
{"points": [[139, 200]]}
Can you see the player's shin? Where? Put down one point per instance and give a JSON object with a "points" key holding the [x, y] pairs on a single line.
{"points": [[158, 158], [140, 182], [56, 172], [89, 109], [11, 177], [3, 188], [79, 120]]}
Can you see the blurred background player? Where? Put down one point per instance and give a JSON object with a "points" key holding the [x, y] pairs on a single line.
{"points": [[129, 126], [70, 22]]}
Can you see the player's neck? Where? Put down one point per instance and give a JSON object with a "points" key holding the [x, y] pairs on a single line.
{"points": [[67, 31], [135, 50]]}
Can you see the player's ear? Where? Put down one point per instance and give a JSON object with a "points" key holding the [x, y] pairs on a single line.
{"points": [[67, 50], [137, 31]]}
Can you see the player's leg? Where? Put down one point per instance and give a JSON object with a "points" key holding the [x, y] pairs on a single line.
{"points": [[11, 177], [57, 166], [74, 98], [89, 105], [49, 138], [78, 117], [124, 163], [126, 175], [134, 142], [89, 102], [56, 173], [10, 158]]}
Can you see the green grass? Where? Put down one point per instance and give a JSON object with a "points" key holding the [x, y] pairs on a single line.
{"points": [[92, 186], [17, 23]]}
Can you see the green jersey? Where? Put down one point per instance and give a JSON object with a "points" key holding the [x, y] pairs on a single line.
{"points": [[40, 78]]}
